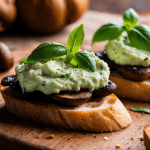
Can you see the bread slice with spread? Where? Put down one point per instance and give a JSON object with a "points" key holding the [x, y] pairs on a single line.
{"points": [[67, 87], [127, 55], [97, 115]]}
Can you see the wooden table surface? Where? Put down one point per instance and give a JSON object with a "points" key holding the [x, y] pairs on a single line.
{"points": [[23, 134]]}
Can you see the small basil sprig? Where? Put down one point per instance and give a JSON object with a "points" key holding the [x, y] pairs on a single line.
{"points": [[146, 110], [138, 36], [130, 18], [54, 51], [79, 58]]}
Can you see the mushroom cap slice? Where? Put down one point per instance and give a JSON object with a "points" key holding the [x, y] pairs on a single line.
{"points": [[71, 98]]}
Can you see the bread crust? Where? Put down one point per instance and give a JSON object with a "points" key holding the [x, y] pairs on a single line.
{"points": [[98, 115], [135, 90], [146, 135]]}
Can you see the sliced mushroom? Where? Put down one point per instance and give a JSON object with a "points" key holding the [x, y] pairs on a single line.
{"points": [[6, 58], [71, 98]]}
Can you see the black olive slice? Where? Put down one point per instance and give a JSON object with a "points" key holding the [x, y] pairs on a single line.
{"points": [[7, 80], [105, 91]]}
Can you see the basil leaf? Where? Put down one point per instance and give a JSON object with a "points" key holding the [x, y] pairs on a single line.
{"points": [[130, 18], [68, 75], [140, 37], [23, 60], [47, 51], [146, 110], [75, 39], [74, 61], [86, 61], [108, 31], [69, 57]]}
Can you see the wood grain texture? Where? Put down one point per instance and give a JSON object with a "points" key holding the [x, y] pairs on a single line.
{"points": [[23, 134]]}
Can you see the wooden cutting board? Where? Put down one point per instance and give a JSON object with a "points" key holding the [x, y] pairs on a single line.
{"points": [[20, 134]]}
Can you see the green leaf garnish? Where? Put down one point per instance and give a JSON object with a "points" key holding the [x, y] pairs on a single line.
{"points": [[75, 57], [68, 75], [23, 60], [75, 39], [108, 31], [69, 57], [146, 59], [139, 36], [130, 18], [86, 61], [53, 51], [47, 51], [146, 110]]}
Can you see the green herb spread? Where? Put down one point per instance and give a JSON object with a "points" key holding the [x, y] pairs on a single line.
{"points": [[55, 76], [123, 54]]}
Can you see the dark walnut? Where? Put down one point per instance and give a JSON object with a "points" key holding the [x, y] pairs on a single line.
{"points": [[136, 73], [6, 58]]}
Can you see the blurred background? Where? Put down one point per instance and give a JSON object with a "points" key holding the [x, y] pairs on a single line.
{"points": [[119, 6], [25, 22]]}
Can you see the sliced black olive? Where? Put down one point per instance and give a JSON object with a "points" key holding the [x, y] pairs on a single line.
{"points": [[101, 55], [107, 90], [7, 80]]}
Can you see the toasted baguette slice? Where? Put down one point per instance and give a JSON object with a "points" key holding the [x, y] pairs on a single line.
{"points": [[103, 114], [146, 134], [135, 90]]}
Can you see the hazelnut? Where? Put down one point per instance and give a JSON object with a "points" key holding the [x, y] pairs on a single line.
{"points": [[6, 58]]}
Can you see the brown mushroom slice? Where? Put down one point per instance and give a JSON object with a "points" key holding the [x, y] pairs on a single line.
{"points": [[137, 73], [71, 98], [6, 58]]}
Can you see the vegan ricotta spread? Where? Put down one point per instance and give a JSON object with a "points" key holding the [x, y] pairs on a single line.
{"points": [[55, 76], [123, 54]]}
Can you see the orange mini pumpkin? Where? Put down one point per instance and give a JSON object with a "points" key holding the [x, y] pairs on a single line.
{"points": [[8, 14], [46, 16]]}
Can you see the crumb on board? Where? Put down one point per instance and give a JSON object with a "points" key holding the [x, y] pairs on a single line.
{"points": [[132, 138], [50, 137], [141, 139], [118, 146], [106, 138]]}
